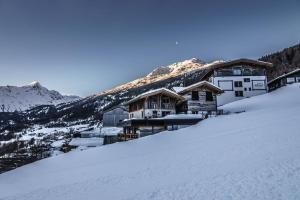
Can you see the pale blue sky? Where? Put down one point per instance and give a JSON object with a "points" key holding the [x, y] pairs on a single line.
{"points": [[84, 47]]}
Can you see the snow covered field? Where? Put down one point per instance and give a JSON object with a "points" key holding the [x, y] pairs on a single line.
{"points": [[251, 155]]}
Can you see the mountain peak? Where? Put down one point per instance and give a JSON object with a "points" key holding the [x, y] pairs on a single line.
{"points": [[177, 68], [35, 84]]}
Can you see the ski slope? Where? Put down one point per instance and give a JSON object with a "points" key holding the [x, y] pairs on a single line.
{"points": [[251, 155]]}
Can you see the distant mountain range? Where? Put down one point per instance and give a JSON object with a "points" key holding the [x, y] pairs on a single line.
{"points": [[13, 98]]}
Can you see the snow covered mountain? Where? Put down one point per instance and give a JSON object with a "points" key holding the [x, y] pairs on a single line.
{"points": [[13, 98], [252, 153], [163, 73]]}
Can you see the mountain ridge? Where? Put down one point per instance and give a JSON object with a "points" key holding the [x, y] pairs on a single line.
{"points": [[14, 98]]}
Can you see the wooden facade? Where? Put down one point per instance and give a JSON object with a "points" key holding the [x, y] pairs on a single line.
{"points": [[154, 104], [199, 98]]}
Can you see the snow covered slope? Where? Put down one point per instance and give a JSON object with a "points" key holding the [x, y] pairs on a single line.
{"points": [[14, 98], [250, 155]]}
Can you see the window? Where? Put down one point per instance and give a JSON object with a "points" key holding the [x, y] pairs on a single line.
{"points": [[154, 114], [237, 71], [194, 112], [165, 100], [195, 95], [246, 79], [245, 89], [238, 84], [209, 96], [250, 89], [247, 72], [239, 93], [258, 72]]}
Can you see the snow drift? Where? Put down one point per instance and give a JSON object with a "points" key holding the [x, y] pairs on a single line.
{"points": [[250, 155]]}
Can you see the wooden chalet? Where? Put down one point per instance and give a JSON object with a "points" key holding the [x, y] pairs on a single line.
{"points": [[200, 97], [148, 114], [154, 104]]}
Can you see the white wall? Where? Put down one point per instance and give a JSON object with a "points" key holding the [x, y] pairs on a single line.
{"points": [[149, 113], [257, 85], [136, 114]]}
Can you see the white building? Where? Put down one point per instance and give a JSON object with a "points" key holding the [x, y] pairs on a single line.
{"points": [[238, 79]]}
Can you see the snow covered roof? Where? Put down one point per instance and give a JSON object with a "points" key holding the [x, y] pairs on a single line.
{"points": [[88, 142], [257, 63], [200, 84], [111, 130], [164, 91], [284, 75], [178, 89]]}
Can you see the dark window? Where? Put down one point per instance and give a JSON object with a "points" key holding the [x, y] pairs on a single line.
{"points": [[154, 115], [247, 72], [165, 100], [195, 95], [246, 79], [238, 84], [250, 89], [245, 89], [258, 72], [209, 96], [239, 93], [194, 112]]}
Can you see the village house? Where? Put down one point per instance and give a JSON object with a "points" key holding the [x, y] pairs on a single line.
{"points": [[200, 98], [154, 104], [114, 116], [152, 112], [238, 79], [288, 78]]}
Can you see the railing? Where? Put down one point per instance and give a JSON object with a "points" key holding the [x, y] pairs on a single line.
{"points": [[128, 136], [163, 106], [167, 106]]}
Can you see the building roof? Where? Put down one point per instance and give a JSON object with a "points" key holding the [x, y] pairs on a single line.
{"points": [[242, 61], [164, 91], [178, 89], [199, 84], [116, 107], [284, 75]]}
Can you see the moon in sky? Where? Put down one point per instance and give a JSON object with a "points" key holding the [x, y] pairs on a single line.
{"points": [[176, 42]]}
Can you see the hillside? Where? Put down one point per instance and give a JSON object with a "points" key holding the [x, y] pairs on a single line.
{"points": [[284, 61], [163, 73], [250, 155], [14, 98]]}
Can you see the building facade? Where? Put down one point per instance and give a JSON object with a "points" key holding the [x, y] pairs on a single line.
{"points": [[114, 117], [289, 78], [154, 104], [239, 79], [200, 98]]}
